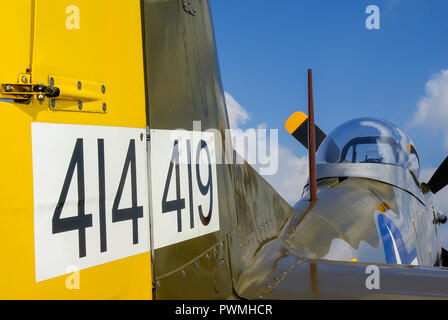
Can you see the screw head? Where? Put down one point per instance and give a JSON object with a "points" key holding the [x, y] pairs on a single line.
{"points": [[51, 81], [52, 103], [103, 89], [40, 97], [80, 105], [24, 79], [104, 107], [79, 85]]}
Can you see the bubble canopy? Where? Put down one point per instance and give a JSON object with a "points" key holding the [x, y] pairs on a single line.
{"points": [[369, 140]]}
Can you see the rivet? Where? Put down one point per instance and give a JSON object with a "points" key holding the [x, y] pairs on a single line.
{"points": [[52, 103], [80, 105], [103, 89], [24, 79], [79, 85], [51, 81], [104, 107], [40, 97]]}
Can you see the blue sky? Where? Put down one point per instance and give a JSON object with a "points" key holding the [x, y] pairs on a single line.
{"points": [[265, 48]]}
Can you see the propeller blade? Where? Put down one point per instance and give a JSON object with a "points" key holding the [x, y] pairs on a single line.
{"points": [[440, 178], [297, 126]]}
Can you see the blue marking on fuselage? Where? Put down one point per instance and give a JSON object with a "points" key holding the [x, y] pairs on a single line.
{"points": [[385, 224]]}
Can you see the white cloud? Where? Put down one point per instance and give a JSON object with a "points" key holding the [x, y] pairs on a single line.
{"points": [[292, 172], [237, 114], [432, 112], [291, 176]]}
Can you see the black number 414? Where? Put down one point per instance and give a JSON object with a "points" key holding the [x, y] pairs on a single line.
{"points": [[84, 220]]}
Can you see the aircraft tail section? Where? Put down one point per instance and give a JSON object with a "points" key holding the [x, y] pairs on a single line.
{"points": [[202, 214]]}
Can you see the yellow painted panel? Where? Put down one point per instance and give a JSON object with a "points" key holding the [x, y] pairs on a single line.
{"points": [[107, 48], [15, 23]]}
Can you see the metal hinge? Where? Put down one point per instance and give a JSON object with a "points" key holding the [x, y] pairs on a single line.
{"points": [[23, 91], [63, 93]]}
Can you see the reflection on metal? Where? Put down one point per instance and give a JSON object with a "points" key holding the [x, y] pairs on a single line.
{"points": [[390, 174], [368, 140]]}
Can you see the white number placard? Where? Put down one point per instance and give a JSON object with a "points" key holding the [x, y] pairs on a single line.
{"points": [[184, 185], [90, 196]]}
